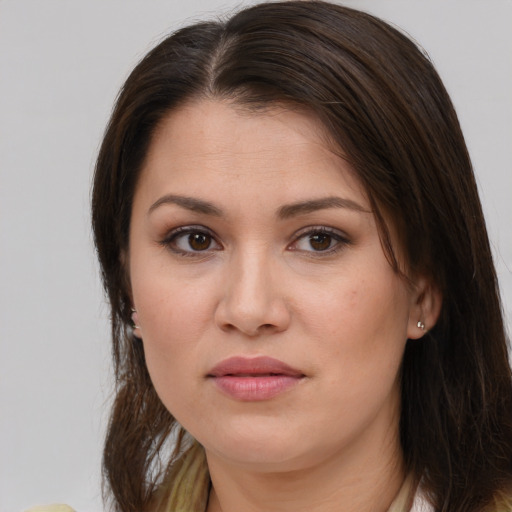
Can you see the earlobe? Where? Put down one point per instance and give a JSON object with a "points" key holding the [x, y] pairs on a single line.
{"points": [[425, 308], [135, 324], [124, 261]]}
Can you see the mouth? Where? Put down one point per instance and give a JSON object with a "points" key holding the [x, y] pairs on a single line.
{"points": [[254, 379], [250, 374]]}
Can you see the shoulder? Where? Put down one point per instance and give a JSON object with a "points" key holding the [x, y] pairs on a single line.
{"points": [[51, 508], [502, 501]]}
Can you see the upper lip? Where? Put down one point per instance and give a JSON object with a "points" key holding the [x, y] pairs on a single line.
{"points": [[256, 366]]}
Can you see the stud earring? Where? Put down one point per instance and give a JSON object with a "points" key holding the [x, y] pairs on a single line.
{"points": [[421, 325], [134, 319]]}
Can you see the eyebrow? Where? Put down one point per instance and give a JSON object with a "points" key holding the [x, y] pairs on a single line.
{"points": [[304, 207], [189, 203], [285, 212]]}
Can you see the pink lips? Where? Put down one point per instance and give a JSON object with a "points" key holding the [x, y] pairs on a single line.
{"points": [[254, 379]]}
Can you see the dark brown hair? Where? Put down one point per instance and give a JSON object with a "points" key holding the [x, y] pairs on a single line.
{"points": [[385, 107]]}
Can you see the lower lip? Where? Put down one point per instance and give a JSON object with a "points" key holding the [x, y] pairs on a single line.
{"points": [[252, 389]]}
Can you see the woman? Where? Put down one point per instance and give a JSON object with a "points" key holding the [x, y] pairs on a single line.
{"points": [[305, 313]]}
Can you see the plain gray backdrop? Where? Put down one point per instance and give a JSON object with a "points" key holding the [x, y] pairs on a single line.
{"points": [[61, 64]]}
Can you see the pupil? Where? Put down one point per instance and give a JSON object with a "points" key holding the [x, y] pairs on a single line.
{"points": [[320, 242], [199, 241]]}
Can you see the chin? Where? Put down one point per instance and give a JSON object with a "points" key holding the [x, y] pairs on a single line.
{"points": [[260, 450]]}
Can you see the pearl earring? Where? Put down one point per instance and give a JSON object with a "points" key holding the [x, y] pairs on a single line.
{"points": [[421, 325]]}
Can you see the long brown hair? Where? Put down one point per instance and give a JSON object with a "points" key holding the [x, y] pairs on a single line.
{"points": [[386, 109]]}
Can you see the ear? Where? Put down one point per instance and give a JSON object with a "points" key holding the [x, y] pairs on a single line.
{"points": [[426, 302], [136, 327], [125, 265]]}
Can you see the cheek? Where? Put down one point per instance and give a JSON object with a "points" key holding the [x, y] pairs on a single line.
{"points": [[358, 307], [362, 332], [174, 316], [360, 327], [168, 300]]}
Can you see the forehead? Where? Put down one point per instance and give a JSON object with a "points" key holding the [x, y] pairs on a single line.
{"points": [[219, 143]]}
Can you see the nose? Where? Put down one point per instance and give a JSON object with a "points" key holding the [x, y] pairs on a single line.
{"points": [[251, 302]]}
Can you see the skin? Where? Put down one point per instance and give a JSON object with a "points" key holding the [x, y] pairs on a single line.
{"points": [[335, 310]]}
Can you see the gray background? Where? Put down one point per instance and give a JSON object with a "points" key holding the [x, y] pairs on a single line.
{"points": [[61, 64]]}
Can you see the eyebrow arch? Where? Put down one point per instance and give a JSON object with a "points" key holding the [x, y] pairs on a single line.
{"points": [[189, 203], [304, 207]]}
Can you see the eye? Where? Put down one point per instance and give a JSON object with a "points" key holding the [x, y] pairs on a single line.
{"points": [[320, 240], [191, 240], [194, 241]]}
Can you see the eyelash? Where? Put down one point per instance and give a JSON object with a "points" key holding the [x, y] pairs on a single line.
{"points": [[339, 240], [170, 241]]}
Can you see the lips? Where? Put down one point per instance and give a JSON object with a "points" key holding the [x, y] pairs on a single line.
{"points": [[254, 379]]}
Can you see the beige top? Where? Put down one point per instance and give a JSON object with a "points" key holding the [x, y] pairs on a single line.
{"points": [[420, 504], [402, 503], [51, 508]]}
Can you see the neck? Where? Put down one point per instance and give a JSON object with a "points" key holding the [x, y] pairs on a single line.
{"points": [[343, 482]]}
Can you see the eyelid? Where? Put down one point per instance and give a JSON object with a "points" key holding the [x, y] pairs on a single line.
{"points": [[338, 235], [187, 230]]}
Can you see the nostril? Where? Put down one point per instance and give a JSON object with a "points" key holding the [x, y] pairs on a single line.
{"points": [[265, 328], [253, 316]]}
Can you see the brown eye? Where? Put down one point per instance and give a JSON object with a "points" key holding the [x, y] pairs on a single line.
{"points": [[190, 241], [199, 241], [320, 241]]}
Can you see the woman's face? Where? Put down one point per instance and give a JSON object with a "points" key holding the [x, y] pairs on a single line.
{"points": [[272, 323]]}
